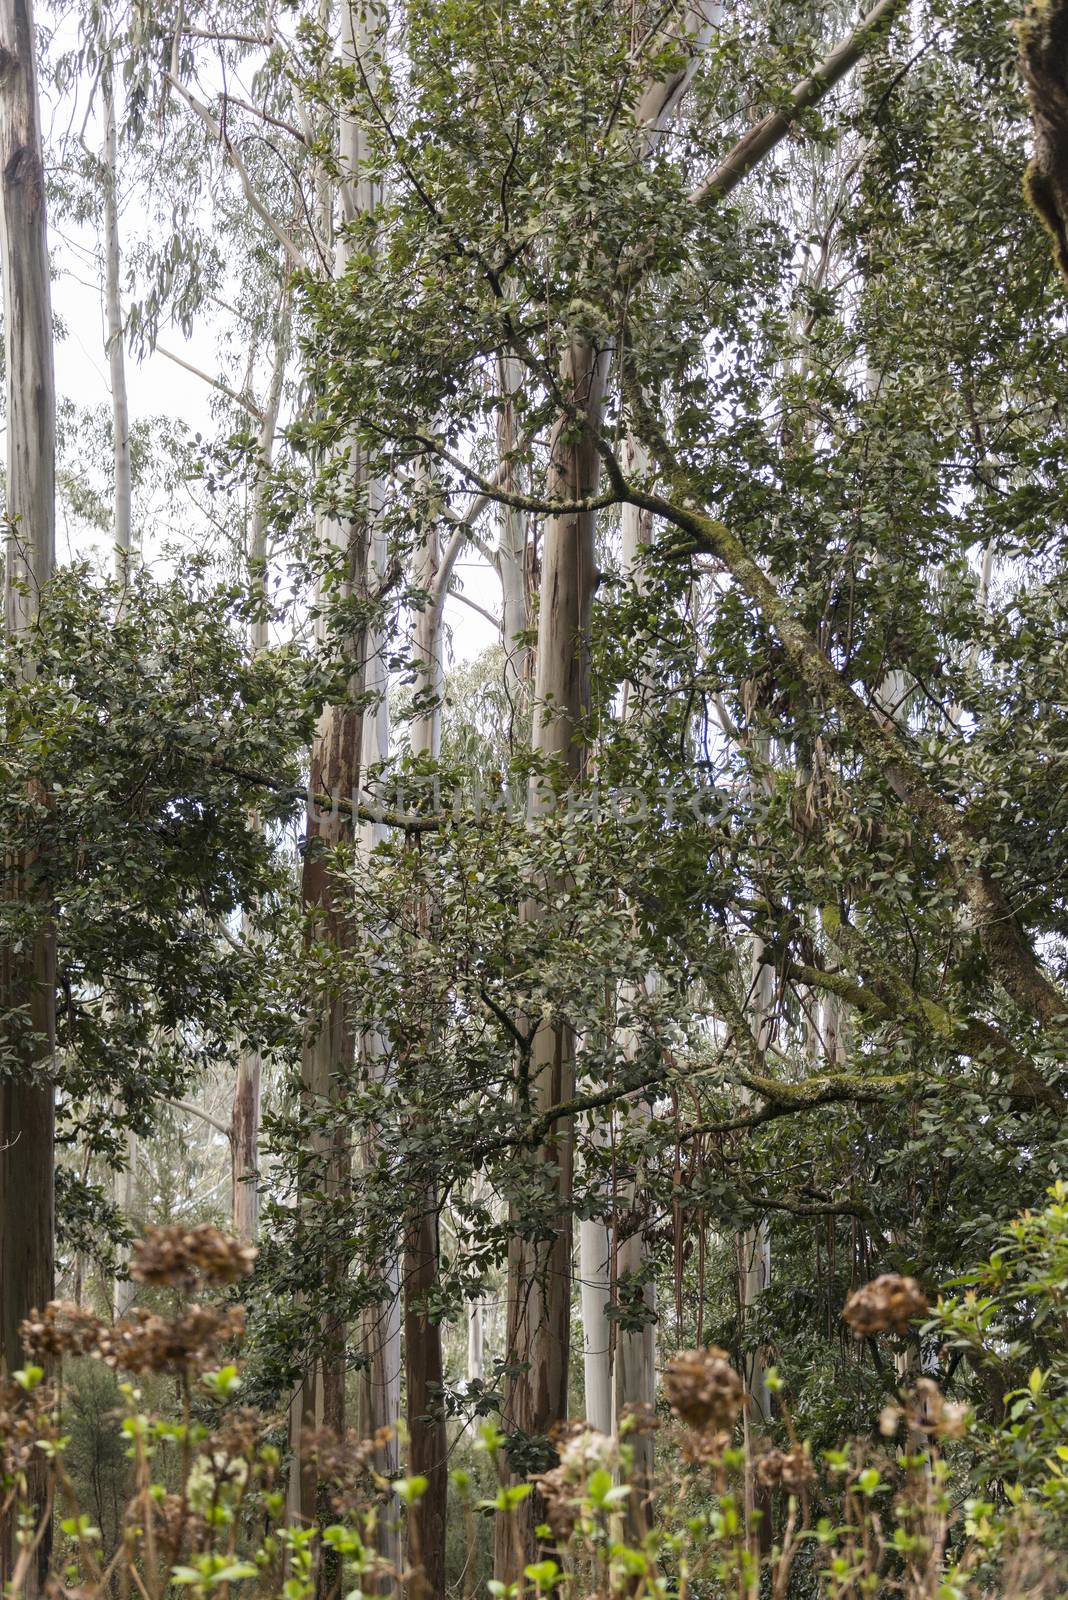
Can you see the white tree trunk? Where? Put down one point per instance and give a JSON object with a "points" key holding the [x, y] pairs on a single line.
{"points": [[753, 1247], [630, 1371], [476, 1342], [248, 1088], [539, 1281], [511, 553], [539, 1277], [120, 409], [595, 1283], [634, 1364]]}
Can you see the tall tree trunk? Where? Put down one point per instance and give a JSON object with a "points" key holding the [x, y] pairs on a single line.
{"points": [[595, 1296], [380, 1343], [122, 1295], [423, 1360], [539, 1276], [245, 1115], [511, 555], [120, 409], [476, 1342], [245, 1135], [753, 1249], [655, 112], [634, 1363], [337, 754], [27, 975]]}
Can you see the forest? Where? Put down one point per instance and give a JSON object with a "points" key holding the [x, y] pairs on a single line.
{"points": [[534, 911]]}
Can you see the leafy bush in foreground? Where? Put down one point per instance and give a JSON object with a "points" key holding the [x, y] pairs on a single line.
{"points": [[947, 1506]]}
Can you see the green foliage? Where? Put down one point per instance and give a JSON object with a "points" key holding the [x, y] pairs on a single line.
{"points": [[147, 727]]}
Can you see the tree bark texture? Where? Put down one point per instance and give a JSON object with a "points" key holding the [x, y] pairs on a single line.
{"points": [[27, 972], [539, 1275]]}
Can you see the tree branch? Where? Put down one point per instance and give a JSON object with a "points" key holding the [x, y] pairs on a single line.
{"points": [[762, 138], [295, 255], [364, 810], [883, 742], [244, 401], [197, 1111]]}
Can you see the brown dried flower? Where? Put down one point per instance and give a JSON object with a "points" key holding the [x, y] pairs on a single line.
{"points": [[791, 1470], [705, 1447], [561, 1501], [889, 1301], [61, 1329], [637, 1417], [145, 1342], [704, 1389], [179, 1527], [26, 1416], [582, 1451], [183, 1255], [929, 1411], [346, 1465]]}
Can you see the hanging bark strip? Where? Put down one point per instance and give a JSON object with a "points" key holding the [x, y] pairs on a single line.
{"points": [[27, 974]]}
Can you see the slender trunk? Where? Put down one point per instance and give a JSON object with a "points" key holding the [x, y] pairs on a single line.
{"points": [[245, 1115], [595, 1281], [634, 1356], [511, 553], [380, 1337], [539, 1278], [423, 1359], [476, 1342], [753, 1247], [634, 1370], [122, 1296], [621, 1373], [424, 1376], [539, 1275], [245, 1139], [328, 1052], [120, 410], [27, 975]]}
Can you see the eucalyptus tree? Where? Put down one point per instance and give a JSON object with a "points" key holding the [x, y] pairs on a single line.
{"points": [[27, 961], [891, 870], [575, 390]]}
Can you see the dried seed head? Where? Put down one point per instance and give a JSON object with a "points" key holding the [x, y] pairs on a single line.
{"points": [[26, 1418], [930, 1412], [704, 1389], [145, 1342], [582, 1451], [638, 1416], [889, 1301], [183, 1255], [791, 1470], [178, 1526], [61, 1329], [705, 1447], [346, 1466], [561, 1501]]}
